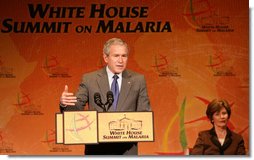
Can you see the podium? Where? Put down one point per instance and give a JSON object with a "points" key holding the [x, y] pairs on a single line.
{"points": [[91, 127]]}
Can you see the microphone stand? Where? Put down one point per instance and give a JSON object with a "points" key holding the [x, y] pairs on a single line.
{"points": [[103, 107], [109, 105], [110, 100]]}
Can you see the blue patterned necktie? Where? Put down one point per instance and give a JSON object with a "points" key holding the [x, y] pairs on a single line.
{"points": [[115, 90]]}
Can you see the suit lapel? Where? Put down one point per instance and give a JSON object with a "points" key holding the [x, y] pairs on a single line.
{"points": [[228, 140], [102, 80], [125, 88], [216, 142]]}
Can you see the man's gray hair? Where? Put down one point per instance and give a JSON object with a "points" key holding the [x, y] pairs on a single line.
{"points": [[113, 41]]}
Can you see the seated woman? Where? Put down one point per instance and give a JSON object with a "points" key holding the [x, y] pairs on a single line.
{"points": [[219, 140]]}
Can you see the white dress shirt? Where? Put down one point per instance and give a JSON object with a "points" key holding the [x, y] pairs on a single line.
{"points": [[110, 78]]}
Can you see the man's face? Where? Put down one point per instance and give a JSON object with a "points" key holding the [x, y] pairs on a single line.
{"points": [[117, 58]]}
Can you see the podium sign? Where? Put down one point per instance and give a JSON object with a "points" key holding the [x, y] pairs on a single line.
{"points": [[125, 127], [88, 127], [80, 127]]}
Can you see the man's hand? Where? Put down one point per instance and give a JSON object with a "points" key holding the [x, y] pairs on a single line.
{"points": [[67, 99]]}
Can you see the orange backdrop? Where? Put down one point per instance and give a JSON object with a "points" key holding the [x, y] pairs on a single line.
{"points": [[202, 53]]}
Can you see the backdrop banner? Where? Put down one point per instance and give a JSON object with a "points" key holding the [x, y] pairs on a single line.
{"points": [[190, 52]]}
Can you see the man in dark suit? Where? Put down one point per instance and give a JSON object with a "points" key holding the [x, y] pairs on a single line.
{"points": [[131, 87]]}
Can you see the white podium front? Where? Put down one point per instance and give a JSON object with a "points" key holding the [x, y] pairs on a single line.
{"points": [[86, 127]]}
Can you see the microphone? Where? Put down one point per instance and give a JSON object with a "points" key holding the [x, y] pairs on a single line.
{"points": [[97, 100], [110, 99]]}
